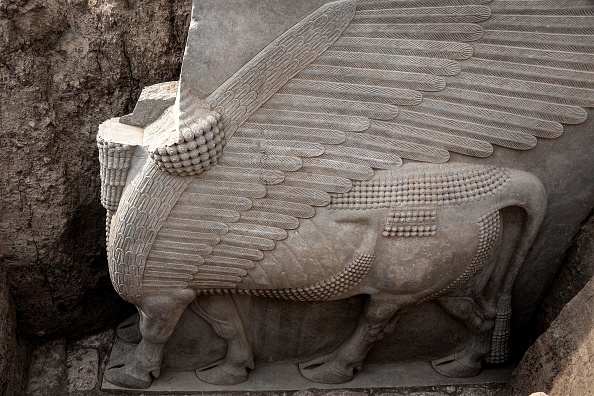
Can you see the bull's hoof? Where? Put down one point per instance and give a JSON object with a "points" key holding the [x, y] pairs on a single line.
{"points": [[451, 366], [117, 375], [320, 370], [129, 329], [221, 374]]}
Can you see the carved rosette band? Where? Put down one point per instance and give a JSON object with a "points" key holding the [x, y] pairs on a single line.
{"points": [[438, 188], [411, 223]]}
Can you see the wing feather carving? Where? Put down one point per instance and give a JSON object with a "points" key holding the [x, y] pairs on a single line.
{"points": [[360, 85]]}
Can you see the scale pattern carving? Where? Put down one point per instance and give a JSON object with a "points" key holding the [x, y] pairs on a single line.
{"points": [[489, 227], [326, 289], [146, 203]]}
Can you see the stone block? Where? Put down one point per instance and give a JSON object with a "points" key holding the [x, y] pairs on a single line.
{"points": [[151, 104], [47, 371], [83, 366]]}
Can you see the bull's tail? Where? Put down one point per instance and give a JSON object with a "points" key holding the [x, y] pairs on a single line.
{"points": [[527, 192], [114, 160]]}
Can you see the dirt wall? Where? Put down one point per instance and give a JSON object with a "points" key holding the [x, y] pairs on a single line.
{"points": [[12, 349], [559, 363], [66, 66]]}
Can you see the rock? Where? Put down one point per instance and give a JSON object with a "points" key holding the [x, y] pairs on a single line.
{"points": [[478, 391], [341, 392], [47, 372], [303, 393], [152, 103], [12, 350], [560, 361], [99, 340], [83, 367], [66, 66], [575, 272]]}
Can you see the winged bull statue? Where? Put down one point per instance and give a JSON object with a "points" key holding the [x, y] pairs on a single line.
{"points": [[287, 181]]}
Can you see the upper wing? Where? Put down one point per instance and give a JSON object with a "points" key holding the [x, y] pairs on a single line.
{"points": [[361, 85]]}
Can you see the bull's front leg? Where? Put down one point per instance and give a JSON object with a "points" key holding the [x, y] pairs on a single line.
{"points": [[159, 314], [377, 320]]}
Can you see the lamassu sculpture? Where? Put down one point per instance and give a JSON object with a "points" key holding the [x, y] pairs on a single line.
{"points": [[287, 180]]}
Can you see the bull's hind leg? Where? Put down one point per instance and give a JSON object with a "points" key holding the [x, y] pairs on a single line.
{"points": [[377, 320], [221, 312], [159, 314], [478, 315]]}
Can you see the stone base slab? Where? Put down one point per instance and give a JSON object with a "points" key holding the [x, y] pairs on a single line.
{"points": [[286, 377]]}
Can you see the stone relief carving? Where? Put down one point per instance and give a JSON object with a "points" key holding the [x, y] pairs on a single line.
{"points": [[288, 180]]}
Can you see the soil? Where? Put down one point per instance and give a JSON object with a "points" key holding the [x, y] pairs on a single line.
{"points": [[65, 67]]}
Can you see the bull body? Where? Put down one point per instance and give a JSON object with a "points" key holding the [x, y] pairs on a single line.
{"points": [[404, 237]]}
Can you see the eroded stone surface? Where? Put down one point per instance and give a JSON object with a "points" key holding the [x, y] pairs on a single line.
{"points": [[97, 341], [574, 274], [558, 361]]}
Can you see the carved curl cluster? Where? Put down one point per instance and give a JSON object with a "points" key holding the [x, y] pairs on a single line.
{"points": [[115, 160], [199, 147]]}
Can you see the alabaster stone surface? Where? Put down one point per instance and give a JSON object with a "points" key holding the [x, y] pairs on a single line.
{"points": [[349, 167]]}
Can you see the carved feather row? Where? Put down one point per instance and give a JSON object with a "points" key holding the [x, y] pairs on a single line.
{"points": [[464, 32], [538, 40], [289, 132], [310, 104], [311, 120], [454, 112], [402, 63], [544, 7], [528, 72], [382, 78], [384, 4], [418, 15]]}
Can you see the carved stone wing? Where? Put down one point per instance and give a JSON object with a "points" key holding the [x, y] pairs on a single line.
{"points": [[360, 85]]}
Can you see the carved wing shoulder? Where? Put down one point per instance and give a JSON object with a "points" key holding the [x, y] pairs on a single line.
{"points": [[360, 85]]}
